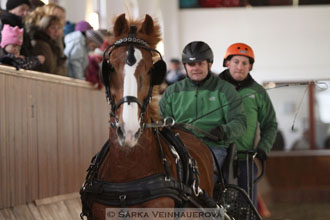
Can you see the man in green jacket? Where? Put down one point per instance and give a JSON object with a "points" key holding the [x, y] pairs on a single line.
{"points": [[192, 99], [239, 59]]}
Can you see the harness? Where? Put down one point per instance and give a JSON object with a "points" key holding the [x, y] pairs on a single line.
{"points": [[182, 190]]}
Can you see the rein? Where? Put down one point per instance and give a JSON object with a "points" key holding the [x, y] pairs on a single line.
{"points": [[170, 122]]}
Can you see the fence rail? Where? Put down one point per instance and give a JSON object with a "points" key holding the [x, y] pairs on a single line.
{"points": [[50, 127]]}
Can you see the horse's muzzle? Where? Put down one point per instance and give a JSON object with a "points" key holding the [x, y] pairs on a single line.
{"points": [[128, 138]]}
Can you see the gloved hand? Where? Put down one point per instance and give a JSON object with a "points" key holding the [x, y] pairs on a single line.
{"points": [[218, 133], [261, 155]]}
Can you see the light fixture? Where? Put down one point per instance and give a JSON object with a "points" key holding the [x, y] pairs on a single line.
{"points": [[93, 19]]}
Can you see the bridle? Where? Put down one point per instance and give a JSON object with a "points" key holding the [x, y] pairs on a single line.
{"points": [[132, 42]]}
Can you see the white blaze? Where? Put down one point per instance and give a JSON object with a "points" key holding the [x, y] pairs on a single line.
{"points": [[130, 112]]}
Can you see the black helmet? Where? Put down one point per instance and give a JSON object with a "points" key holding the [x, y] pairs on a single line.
{"points": [[197, 51]]}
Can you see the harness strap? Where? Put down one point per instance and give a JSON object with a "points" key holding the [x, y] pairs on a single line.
{"points": [[179, 166], [96, 163], [136, 192], [92, 172], [190, 168], [172, 139], [163, 156]]}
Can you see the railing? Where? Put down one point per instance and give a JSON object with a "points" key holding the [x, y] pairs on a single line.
{"points": [[298, 176], [50, 127]]}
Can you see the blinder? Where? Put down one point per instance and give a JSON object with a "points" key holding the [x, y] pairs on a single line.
{"points": [[106, 69], [158, 72]]}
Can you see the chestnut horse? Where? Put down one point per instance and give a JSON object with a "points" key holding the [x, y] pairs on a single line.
{"points": [[138, 154]]}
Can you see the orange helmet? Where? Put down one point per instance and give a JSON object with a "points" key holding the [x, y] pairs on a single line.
{"points": [[239, 49]]}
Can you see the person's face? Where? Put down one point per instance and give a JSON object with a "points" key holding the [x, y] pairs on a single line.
{"points": [[174, 66], [92, 45], [239, 67], [13, 49], [199, 70], [21, 10], [54, 31]]}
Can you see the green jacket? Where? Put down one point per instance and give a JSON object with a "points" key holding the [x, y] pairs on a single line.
{"points": [[186, 101], [259, 111]]}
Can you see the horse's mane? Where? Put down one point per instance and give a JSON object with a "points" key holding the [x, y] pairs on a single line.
{"points": [[153, 106]]}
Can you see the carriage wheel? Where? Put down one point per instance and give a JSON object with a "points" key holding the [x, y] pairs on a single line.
{"points": [[237, 204]]}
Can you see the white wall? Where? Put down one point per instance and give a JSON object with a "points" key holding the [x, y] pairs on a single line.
{"points": [[75, 10], [3, 4], [290, 43]]}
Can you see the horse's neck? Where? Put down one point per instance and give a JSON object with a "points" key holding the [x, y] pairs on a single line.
{"points": [[124, 164]]}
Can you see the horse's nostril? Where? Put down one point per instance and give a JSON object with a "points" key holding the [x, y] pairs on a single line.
{"points": [[120, 132], [137, 134]]}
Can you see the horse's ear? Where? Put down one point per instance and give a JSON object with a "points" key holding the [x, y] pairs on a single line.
{"points": [[147, 25], [121, 25]]}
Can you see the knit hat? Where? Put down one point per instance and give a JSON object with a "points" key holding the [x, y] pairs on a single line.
{"points": [[11, 4], [11, 35], [83, 26], [95, 36]]}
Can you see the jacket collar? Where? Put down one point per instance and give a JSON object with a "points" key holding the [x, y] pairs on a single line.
{"points": [[200, 83], [225, 75]]}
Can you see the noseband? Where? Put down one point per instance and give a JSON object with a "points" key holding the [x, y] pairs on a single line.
{"points": [[132, 42]]}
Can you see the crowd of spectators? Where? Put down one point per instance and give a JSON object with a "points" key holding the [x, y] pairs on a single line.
{"points": [[37, 36]]}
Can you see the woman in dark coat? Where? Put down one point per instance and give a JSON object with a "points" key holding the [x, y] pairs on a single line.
{"points": [[44, 37]]}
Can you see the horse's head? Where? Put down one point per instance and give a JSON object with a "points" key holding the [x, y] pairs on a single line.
{"points": [[128, 73]]}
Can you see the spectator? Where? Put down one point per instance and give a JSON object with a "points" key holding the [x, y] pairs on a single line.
{"points": [[93, 68], [44, 38], [34, 18], [16, 11], [83, 26], [78, 43], [11, 41], [175, 72], [68, 27], [107, 38], [35, 4], [95, 59]]}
